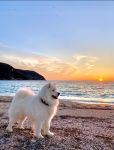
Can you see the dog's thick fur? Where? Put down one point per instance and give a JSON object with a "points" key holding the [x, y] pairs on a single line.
{"points": [[39, 109]]}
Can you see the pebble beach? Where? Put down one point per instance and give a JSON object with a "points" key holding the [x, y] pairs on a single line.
{"points": [[76, 126]]}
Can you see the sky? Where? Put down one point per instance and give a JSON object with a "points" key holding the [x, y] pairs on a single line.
{"points": [[62, 40]]}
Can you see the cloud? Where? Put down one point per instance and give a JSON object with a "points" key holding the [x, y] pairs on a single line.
{"points": [[51, 67], [85, 63]]}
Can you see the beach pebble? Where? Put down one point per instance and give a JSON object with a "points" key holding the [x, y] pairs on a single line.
{"points": [[3, 140], [77, 129]]}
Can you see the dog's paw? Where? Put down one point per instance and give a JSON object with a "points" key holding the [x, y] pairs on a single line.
{"points": [[50, 134], [35, 138], [9, 129], [39, 136], [22, 128]]}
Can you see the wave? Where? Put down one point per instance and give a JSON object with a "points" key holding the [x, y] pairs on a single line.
{"points": [[87, 92]]}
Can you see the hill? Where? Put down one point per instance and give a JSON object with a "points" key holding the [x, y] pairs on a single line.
{"points": [[7, 72]]}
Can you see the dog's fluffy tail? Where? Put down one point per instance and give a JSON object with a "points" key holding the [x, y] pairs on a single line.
{"points": [[23, 92]]}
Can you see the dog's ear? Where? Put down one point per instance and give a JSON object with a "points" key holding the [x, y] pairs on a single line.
{"points": [[49, 85]]}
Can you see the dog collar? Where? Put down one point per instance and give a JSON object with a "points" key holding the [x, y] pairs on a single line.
{"points": [[44, 102]]}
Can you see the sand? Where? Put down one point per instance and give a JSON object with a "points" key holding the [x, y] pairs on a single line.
{"points": [[76, 127]]}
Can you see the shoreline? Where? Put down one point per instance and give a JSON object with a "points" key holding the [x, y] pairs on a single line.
{"points": [[76, 127], [68, 102], [85, 101]]}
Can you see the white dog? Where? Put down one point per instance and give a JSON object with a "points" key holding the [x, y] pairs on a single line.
{"points": [[39, 109]]}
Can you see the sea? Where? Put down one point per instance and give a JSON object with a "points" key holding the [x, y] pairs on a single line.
{"points": [[76, 91]]}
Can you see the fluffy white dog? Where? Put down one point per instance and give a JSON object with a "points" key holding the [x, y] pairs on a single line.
{"points": [[39, 109]]}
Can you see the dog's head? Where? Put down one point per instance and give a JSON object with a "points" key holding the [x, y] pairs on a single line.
{"points": [[53, 91], [49, 92]]}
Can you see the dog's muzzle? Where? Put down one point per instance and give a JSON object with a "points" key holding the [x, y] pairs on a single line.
{"points": [[56, 97]]}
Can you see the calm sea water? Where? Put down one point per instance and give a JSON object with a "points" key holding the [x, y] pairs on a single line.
{"points": [[79, 91]]}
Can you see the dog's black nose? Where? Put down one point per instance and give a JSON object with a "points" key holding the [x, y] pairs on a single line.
{"points": [[58, 93]]}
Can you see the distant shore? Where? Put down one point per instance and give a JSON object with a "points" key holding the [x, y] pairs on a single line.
{"points": [[76, 126]]}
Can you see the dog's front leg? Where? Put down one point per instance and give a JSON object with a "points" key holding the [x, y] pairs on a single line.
{"points": [[47, 128], [38, 126]]}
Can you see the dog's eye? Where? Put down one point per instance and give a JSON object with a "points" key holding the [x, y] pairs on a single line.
{"points": [[53, 90]]}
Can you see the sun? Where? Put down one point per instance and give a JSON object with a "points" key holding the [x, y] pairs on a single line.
{"points": [[100, 79]]}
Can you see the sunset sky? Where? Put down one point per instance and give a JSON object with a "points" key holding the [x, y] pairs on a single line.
{"points": [[60, 40]]}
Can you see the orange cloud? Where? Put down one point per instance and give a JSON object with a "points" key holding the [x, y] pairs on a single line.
{"points": [[77, 67]]}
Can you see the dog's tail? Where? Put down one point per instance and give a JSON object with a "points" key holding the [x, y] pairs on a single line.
{"points": [[23, 92]]}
